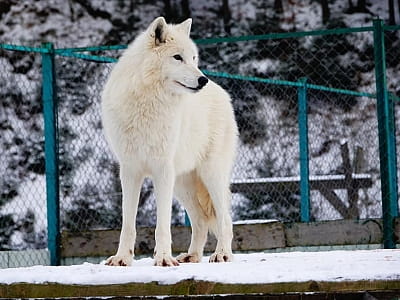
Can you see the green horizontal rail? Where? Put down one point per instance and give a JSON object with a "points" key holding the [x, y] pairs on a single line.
{"points": [[251, 78], [394, 97], [89, 57], [391, 27], [284, 35], [91, 49], [63, 51], [24, 48], [72, 52], [288, 83], [340, 91]]}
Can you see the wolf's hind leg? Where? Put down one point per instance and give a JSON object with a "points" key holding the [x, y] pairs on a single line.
{"points": [[190, 193], [214, 174]]}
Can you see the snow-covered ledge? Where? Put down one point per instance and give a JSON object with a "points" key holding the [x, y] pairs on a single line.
{"points": [[257, 273]]}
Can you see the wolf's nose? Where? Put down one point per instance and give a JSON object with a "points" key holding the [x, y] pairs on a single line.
{"points": [[202, 81]]}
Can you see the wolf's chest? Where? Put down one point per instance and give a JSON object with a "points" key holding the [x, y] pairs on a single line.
{"points": [[150, 132]]}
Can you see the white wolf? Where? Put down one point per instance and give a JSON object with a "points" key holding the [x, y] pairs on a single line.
{"points": [[164, 119]]}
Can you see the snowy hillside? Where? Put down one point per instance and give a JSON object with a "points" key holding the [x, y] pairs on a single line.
{"points": [[90, 191]]}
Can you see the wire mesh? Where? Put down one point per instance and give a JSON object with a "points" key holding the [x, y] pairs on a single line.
{"points": [[344, 164], [88, 173], [22, 181], [338, 124], [266, 117]]}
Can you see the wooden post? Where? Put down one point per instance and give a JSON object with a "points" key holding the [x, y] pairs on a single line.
{"points": [[351, 188]]}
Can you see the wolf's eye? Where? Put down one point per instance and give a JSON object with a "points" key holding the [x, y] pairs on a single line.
{"points": [[178, 57]]}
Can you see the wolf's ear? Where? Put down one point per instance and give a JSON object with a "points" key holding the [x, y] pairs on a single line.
{"points": [[186, 25], [158, 30]]}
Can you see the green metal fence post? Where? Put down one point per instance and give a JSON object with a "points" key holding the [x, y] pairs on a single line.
{"points": [[387, 142], [187, 219], [51, 153], [303, 145]]}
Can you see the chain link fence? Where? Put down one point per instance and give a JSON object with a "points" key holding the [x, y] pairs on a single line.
{"points": [[89, 189], [22, 181], [342, 128], [262, 75]]}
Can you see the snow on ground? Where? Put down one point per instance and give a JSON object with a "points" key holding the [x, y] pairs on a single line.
{"points": [[246, 269]]}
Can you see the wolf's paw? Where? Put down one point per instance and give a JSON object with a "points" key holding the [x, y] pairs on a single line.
{"points": [[188, 258], [119, 260], [221, 257], [165, 261]]}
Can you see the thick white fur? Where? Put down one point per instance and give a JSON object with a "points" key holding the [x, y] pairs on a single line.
{"points": [[184, 140]]}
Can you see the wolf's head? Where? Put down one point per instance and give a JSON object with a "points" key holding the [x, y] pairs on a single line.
{"points": [[174, 56]]}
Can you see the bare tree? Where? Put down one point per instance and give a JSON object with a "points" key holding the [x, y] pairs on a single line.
{"points": [[360, 7], [100, 13], [325, 11], [351, 6], [278, 7], [5, 6], [185, 9], [226, 14], [398, 6], [392, 19], [176, 12], [167, 10]]}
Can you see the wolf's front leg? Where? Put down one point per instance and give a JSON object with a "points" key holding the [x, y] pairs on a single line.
{"points": [[131, 183], [164, 180]]}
